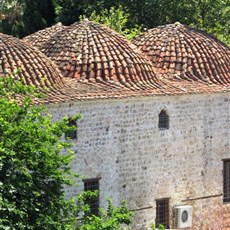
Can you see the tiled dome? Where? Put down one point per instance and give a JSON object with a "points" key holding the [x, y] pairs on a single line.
{"points": [[180, 52], [39, 38], [36, 68], [90, 52]]}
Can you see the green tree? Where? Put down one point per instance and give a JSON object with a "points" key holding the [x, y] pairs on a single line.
{"points": [[111, 219], [116, 19], [35, 165], [11, 12], [32, 170], [23, 17], [210, 15], [68, 11], [213, 16], [37, 15]]}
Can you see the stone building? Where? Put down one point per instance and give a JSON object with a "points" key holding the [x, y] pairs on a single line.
{"points": [[183, 54], [155, 135]]}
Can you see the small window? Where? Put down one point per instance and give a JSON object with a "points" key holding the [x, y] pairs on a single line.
{"points": [[163, 120], [92, 185], [226, 180], [162, 212], [71, 134]]}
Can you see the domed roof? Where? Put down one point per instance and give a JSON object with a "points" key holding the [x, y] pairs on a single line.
{"points": [[90, 52], [39, 38], [36, 68], [180, 52]]}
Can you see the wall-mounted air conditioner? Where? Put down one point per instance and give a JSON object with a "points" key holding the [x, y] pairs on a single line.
{"points": [[183, 216]]}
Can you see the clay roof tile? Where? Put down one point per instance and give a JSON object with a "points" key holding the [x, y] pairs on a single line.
{"points": [[98, 49], [195, 53], [42, 36], [36, 68], [98, 63]]}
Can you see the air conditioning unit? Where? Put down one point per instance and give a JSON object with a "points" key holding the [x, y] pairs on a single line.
{"points": [[183, 216]]}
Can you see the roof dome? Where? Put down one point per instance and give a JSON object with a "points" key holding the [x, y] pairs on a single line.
{"points": [[39, 38], [178, 51], [36, 68], [90, 52]]}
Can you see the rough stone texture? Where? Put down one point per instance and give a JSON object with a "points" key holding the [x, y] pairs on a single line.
{"points": [[119, 141], [180, 52], [226, 217]]}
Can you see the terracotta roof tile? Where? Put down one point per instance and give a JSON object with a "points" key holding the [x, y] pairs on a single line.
{"points": [[36, 68], [39, 38], [123, 73], [179, 51], [91, 52]]}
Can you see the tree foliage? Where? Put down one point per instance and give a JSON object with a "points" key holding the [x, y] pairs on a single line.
{"points": [[35, 165], [30, 15], [37, 15], [11, 17], [32, 170], [116, 19], [69, 11], [23, 17], [110, 219], [210, 15]]}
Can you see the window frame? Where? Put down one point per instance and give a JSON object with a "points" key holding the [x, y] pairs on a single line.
{"points": [[165, 217], [94, 203], [72, 135], [163, 120], [226, 180]]}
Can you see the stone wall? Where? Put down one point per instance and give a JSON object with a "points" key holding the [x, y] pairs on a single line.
{"points": [[120, 142]]}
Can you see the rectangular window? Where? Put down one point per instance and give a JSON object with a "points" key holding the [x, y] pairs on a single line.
{"points": [[226, 180], [162, 212], [71, 134], [92, 185]]}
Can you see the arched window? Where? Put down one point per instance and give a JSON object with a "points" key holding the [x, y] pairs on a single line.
{"points": [[163, 120]]}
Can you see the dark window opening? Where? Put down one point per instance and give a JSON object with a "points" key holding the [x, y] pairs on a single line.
{"points": [[92, 185], [162, 213], [73, 133], [163, 120], [226, 180]]}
